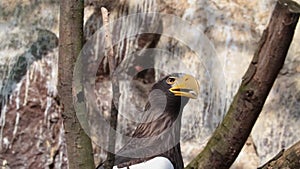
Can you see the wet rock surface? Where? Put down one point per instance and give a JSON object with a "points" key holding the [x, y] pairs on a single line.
{"points": [[234, 28]]}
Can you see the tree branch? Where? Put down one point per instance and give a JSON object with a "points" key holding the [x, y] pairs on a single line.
{"points": [[230, 136], [108, 41], [110, 159], [79, 147], [285, 159]]}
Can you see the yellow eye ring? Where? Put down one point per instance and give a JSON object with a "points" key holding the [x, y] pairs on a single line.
{"points": [[171, 80]]}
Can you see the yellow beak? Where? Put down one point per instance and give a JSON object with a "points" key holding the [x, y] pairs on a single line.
{"points": [[186, 86]]}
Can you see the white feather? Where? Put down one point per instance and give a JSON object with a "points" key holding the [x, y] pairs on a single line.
{"points": [[155, 163]]}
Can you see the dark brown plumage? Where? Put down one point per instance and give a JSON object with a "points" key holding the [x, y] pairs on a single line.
{"points": [[159, 132]]}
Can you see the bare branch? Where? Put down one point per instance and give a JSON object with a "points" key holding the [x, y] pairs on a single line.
{"points": [[108, 41], [230, 136], [115, 85], [79, 146], [285, 159]]}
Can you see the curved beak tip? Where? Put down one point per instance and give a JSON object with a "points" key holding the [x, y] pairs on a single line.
{"points": [[186, 86]]}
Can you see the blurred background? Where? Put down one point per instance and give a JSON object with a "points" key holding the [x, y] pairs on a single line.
{"points": [[31, 131]]}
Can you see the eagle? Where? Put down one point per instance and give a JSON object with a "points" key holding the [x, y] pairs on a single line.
{"points": [[155, 142]]}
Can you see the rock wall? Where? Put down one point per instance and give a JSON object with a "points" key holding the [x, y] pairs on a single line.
{"points": [[232, 27]]}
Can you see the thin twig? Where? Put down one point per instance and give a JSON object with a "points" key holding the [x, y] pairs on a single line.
{"points": [[108, 41], [115, 85]]}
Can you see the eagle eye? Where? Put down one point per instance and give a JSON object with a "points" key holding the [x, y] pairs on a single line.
{"points": [[171, 80]]}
